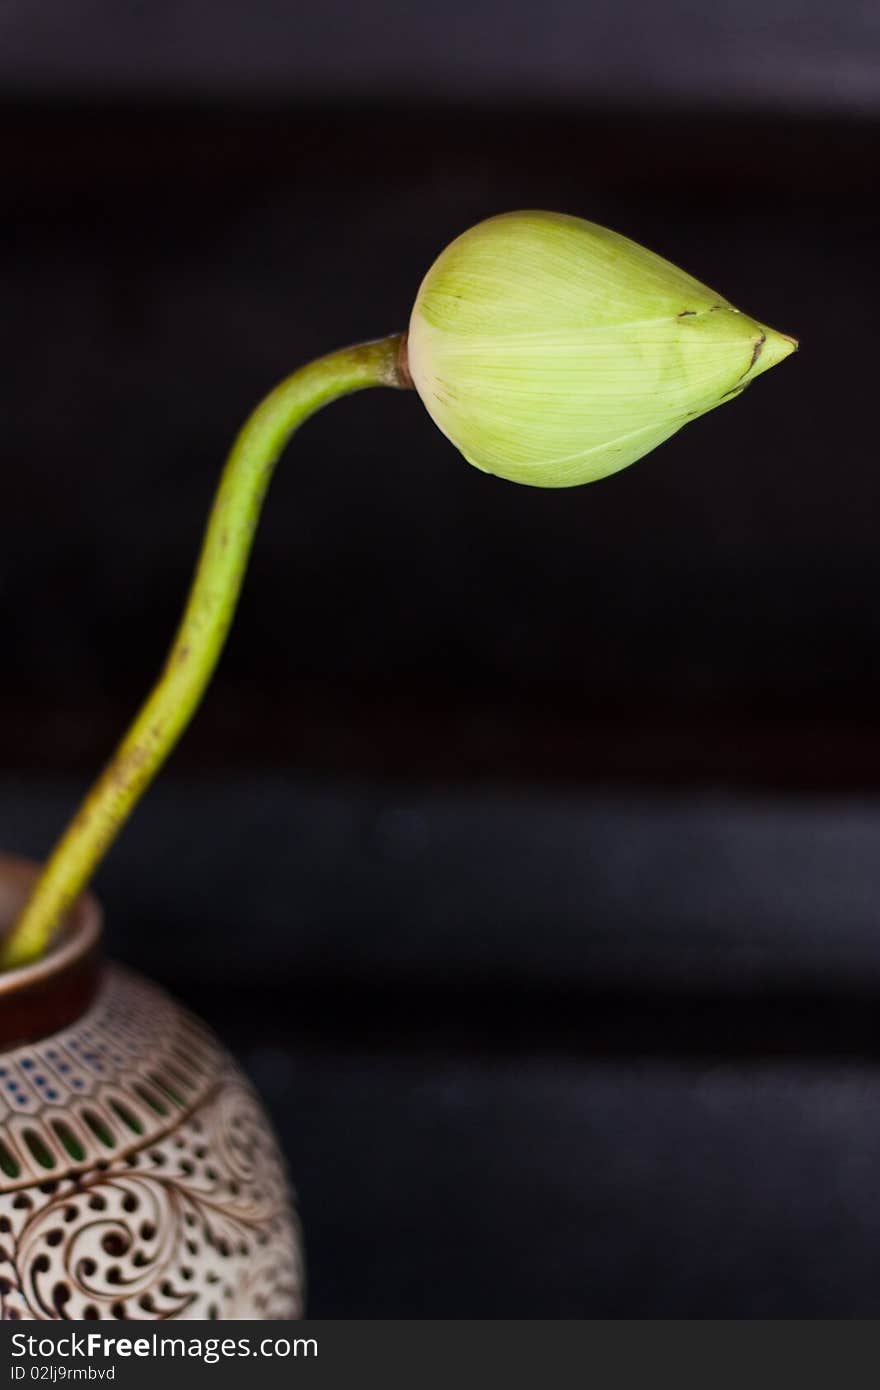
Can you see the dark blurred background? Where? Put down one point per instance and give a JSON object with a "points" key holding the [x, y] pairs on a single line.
{"points": [[526, 847]]}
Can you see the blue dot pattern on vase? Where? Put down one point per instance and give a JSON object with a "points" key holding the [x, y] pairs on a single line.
{"points": [[32, 1080], [79, 1063]]}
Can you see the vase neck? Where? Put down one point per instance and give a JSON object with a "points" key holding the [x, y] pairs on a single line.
{"points": [[40, 999]]}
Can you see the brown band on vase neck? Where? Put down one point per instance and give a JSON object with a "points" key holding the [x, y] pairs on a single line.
{"points": [[51, 993]]}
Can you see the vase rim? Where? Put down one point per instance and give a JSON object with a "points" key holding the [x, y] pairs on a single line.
{"points": [[47, 994]]}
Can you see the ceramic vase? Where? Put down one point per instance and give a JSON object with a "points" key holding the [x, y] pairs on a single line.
{"points": [[139, 1176]]}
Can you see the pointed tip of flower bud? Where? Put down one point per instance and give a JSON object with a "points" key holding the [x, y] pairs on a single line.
{"points": [[552, 351], [770, 348]]}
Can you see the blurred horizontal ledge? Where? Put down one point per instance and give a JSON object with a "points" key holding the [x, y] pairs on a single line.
{"points": [[759, 50], [638, 1188], [373, 732], [272, 883], [56, 143]]}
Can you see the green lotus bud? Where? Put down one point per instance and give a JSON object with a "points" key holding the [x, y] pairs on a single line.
{"points": [[552, 351]]}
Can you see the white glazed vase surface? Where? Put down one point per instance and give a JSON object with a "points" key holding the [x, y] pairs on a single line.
{"points": [[139, 1176]]}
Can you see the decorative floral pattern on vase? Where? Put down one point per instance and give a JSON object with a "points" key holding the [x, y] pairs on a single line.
{"points": [[139, 1177]]}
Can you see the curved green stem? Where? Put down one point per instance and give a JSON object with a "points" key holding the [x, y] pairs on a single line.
{"points": [[199, 641]]}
